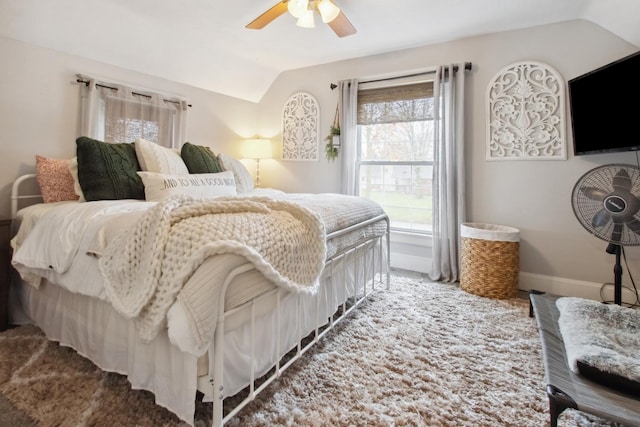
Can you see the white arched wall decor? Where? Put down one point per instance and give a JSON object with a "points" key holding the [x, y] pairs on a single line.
{"points": [[300, 118], [525, 113]]}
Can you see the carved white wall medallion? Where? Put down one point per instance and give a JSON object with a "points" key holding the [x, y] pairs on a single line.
{"points": [[525, 113], [300, 118]]}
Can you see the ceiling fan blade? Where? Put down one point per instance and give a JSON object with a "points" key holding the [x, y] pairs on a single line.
{"points": [[594, 193], [271, 14], [342, 26], [622, 181], [601, 219]]}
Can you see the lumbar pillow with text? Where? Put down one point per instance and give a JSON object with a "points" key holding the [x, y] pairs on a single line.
{"points": [[159, 186], [244, 181]]}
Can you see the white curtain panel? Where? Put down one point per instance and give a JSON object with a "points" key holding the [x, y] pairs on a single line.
{"points": [[348, 110], [116, 113], [448, 172], [89, 108]]}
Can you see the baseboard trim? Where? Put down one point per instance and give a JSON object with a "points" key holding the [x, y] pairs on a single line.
{"points": [[528, 281], [410, 262], [570, 287]]}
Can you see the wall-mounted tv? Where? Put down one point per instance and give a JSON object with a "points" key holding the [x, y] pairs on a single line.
{"points": [[605, 108]]}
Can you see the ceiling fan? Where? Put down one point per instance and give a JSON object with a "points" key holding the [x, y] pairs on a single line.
{"points": [[304, 11]]}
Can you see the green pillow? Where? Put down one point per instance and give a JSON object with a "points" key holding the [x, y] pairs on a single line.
{"points": [[108, 171], [200, 159]]}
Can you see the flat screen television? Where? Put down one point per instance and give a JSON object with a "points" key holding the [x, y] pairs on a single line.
{"points": [[605, 108]]}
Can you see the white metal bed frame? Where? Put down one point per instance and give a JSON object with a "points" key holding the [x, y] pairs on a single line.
{"points": [[16, 197], [364, 279]]}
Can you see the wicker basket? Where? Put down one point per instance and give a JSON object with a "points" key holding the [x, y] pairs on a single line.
{"points": [[489, 260]]}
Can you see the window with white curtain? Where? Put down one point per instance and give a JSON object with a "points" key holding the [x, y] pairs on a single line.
{"points": [[395, 152], [117, 113]]}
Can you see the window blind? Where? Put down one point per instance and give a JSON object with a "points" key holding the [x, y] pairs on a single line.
{"points": [[407, 103]]}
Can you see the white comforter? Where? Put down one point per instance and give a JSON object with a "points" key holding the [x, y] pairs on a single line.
{"points": [[69, 257]]}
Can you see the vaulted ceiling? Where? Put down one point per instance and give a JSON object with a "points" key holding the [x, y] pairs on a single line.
{"points": [[204, 43]]}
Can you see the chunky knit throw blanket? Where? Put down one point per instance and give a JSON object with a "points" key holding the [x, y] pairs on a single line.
{"points": [[146, 266]]}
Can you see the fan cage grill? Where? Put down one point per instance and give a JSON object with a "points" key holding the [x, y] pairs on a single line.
{"points": [[586, 208]]}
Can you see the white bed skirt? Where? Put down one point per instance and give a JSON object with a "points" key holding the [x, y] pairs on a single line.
{"points": [[95, 330]]}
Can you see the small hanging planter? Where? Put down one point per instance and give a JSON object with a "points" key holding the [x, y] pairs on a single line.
{"points": [[333, 139]]}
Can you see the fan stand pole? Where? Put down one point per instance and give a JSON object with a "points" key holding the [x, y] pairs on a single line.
{"points": [[617, 273]]}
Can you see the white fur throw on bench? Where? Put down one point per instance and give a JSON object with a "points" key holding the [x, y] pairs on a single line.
{"points": [[603, 338]]}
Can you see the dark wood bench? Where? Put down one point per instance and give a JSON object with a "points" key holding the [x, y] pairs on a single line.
{"points": [[567, 389]]}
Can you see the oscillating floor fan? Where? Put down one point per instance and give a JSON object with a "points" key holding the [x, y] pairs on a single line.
{"points": [[606, 201]]}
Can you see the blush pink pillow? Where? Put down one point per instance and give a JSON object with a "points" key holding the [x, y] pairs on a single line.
{"points": [[54, 179]]}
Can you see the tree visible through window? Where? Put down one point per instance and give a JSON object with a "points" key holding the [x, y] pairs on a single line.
{"points": [[395, 156]]}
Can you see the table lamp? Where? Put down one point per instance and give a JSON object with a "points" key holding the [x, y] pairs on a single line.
{"points": [[257, 148]]}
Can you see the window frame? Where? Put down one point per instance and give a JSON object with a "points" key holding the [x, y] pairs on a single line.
{"points": [[404, 80], [100, 99]]}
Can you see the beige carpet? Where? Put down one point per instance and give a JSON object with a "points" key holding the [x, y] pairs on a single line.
{"points": [[422, 354]]}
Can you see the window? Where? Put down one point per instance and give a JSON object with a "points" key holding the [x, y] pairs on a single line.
{"points": [[126, 120], [395, 152], [115, 113]]}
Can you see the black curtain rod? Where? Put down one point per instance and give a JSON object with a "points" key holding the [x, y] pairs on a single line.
{"points": [[467, 66], [86, 83]]}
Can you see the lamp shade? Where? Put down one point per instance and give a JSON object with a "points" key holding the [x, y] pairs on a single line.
{"points": [[306, 20], [297, 7], [328, 11], [257, 148]]}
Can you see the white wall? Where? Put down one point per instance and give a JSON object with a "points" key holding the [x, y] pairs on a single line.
{"points": [[533, 196], [38, 112], [39, 108]]}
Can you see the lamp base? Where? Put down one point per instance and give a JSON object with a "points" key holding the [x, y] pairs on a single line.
{"points": [[257, 173]]}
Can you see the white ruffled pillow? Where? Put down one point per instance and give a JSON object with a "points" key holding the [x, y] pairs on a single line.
{"points": [[244, 180], [156, 158], [73, 169], [159, 186]]}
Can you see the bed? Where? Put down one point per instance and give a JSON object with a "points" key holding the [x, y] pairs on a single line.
{"points": [[225, 330]]}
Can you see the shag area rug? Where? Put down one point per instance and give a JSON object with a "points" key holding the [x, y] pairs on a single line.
{"points": [[421, 354]]}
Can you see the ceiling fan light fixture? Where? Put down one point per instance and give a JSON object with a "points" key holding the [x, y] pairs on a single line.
{"points": [[306, 20], [298, 8], [328, 10], [303, 11]]}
